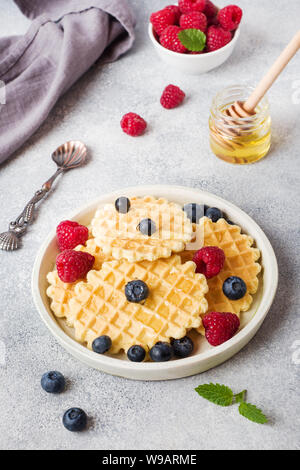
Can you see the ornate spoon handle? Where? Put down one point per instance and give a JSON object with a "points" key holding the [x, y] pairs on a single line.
{"points": [[19, 225]]}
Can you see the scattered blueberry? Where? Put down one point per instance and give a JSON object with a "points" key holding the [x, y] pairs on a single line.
{"points": [[75, 419], [136, 291], [183, 347], [53, 382], [230, 222], [161, 352], [234, 288], [213, 213], [194, 211], [147, 227], [122, 204], [101, 344], [136, 353]]}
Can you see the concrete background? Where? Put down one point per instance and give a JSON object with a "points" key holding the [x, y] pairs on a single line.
{"points": [[175, 150]]}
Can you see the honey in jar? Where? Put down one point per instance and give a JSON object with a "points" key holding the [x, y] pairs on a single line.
{"points": [[239, 140]]}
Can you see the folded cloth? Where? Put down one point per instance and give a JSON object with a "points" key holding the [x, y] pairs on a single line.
{"points": [[64, 40]]}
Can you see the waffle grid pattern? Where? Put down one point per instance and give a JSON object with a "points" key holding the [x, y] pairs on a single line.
{"points": [[173, 306], [60, 294]]}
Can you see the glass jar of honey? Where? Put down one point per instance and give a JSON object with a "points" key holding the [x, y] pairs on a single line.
{"points": [[235, 139]]}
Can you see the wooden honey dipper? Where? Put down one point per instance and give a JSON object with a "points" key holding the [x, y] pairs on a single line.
{"points": [[247, 109]]}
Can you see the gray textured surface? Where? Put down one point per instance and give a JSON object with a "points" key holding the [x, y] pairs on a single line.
{"points": [[164, 415]]}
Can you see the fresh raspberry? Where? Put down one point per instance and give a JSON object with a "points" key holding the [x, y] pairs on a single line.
{"points": [[194, 19], [175, 9], [133, 124], [70, 234], [161, 19], [170, 40], [230, 17], [171, 97], [210, 9], [209, 261], [191, 5], [220, 327], [213, 21], [72, 265], [216, 38]]}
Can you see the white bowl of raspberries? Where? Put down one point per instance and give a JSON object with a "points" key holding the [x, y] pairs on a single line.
{"points": [[195, 36]]}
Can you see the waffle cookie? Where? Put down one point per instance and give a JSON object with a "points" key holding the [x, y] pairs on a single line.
{"points": [[119, 236], [240, 260], [98, 306], [61, 292], [94, 249]]}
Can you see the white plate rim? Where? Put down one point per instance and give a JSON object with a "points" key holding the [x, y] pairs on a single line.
{"points": [[177, 368]]}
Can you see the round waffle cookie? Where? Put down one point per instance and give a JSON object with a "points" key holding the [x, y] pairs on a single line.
{"points": [[119, 236], [98, 306], [240, 260]]}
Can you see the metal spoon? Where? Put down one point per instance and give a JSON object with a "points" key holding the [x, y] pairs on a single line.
{"points": [[69, 155]]}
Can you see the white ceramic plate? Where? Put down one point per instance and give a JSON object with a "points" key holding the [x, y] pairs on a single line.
{"points": [[204, 356]]}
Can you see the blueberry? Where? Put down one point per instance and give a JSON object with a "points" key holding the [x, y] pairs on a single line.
{"points": [[194, 211], [147, 227], [101, 344], [234, 288], [214, 213], [75, 419], [161, 352], [136, 291], [53, 382], [136, 353], [183, 347], [122, 204], [230, 222]]}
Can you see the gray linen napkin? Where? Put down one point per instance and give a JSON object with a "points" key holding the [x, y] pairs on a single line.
{"points": [[64, 40]]}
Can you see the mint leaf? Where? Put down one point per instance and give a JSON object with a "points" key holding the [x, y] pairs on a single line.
{"points": [[251, 412], [216, 393], [240, 397], [192, 39]]}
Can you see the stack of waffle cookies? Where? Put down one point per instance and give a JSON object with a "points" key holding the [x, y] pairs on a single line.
{"points": [[178, 296]]}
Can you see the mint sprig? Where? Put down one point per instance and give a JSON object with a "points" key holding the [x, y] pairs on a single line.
{"points": [[223, 396], [193, 39]]}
